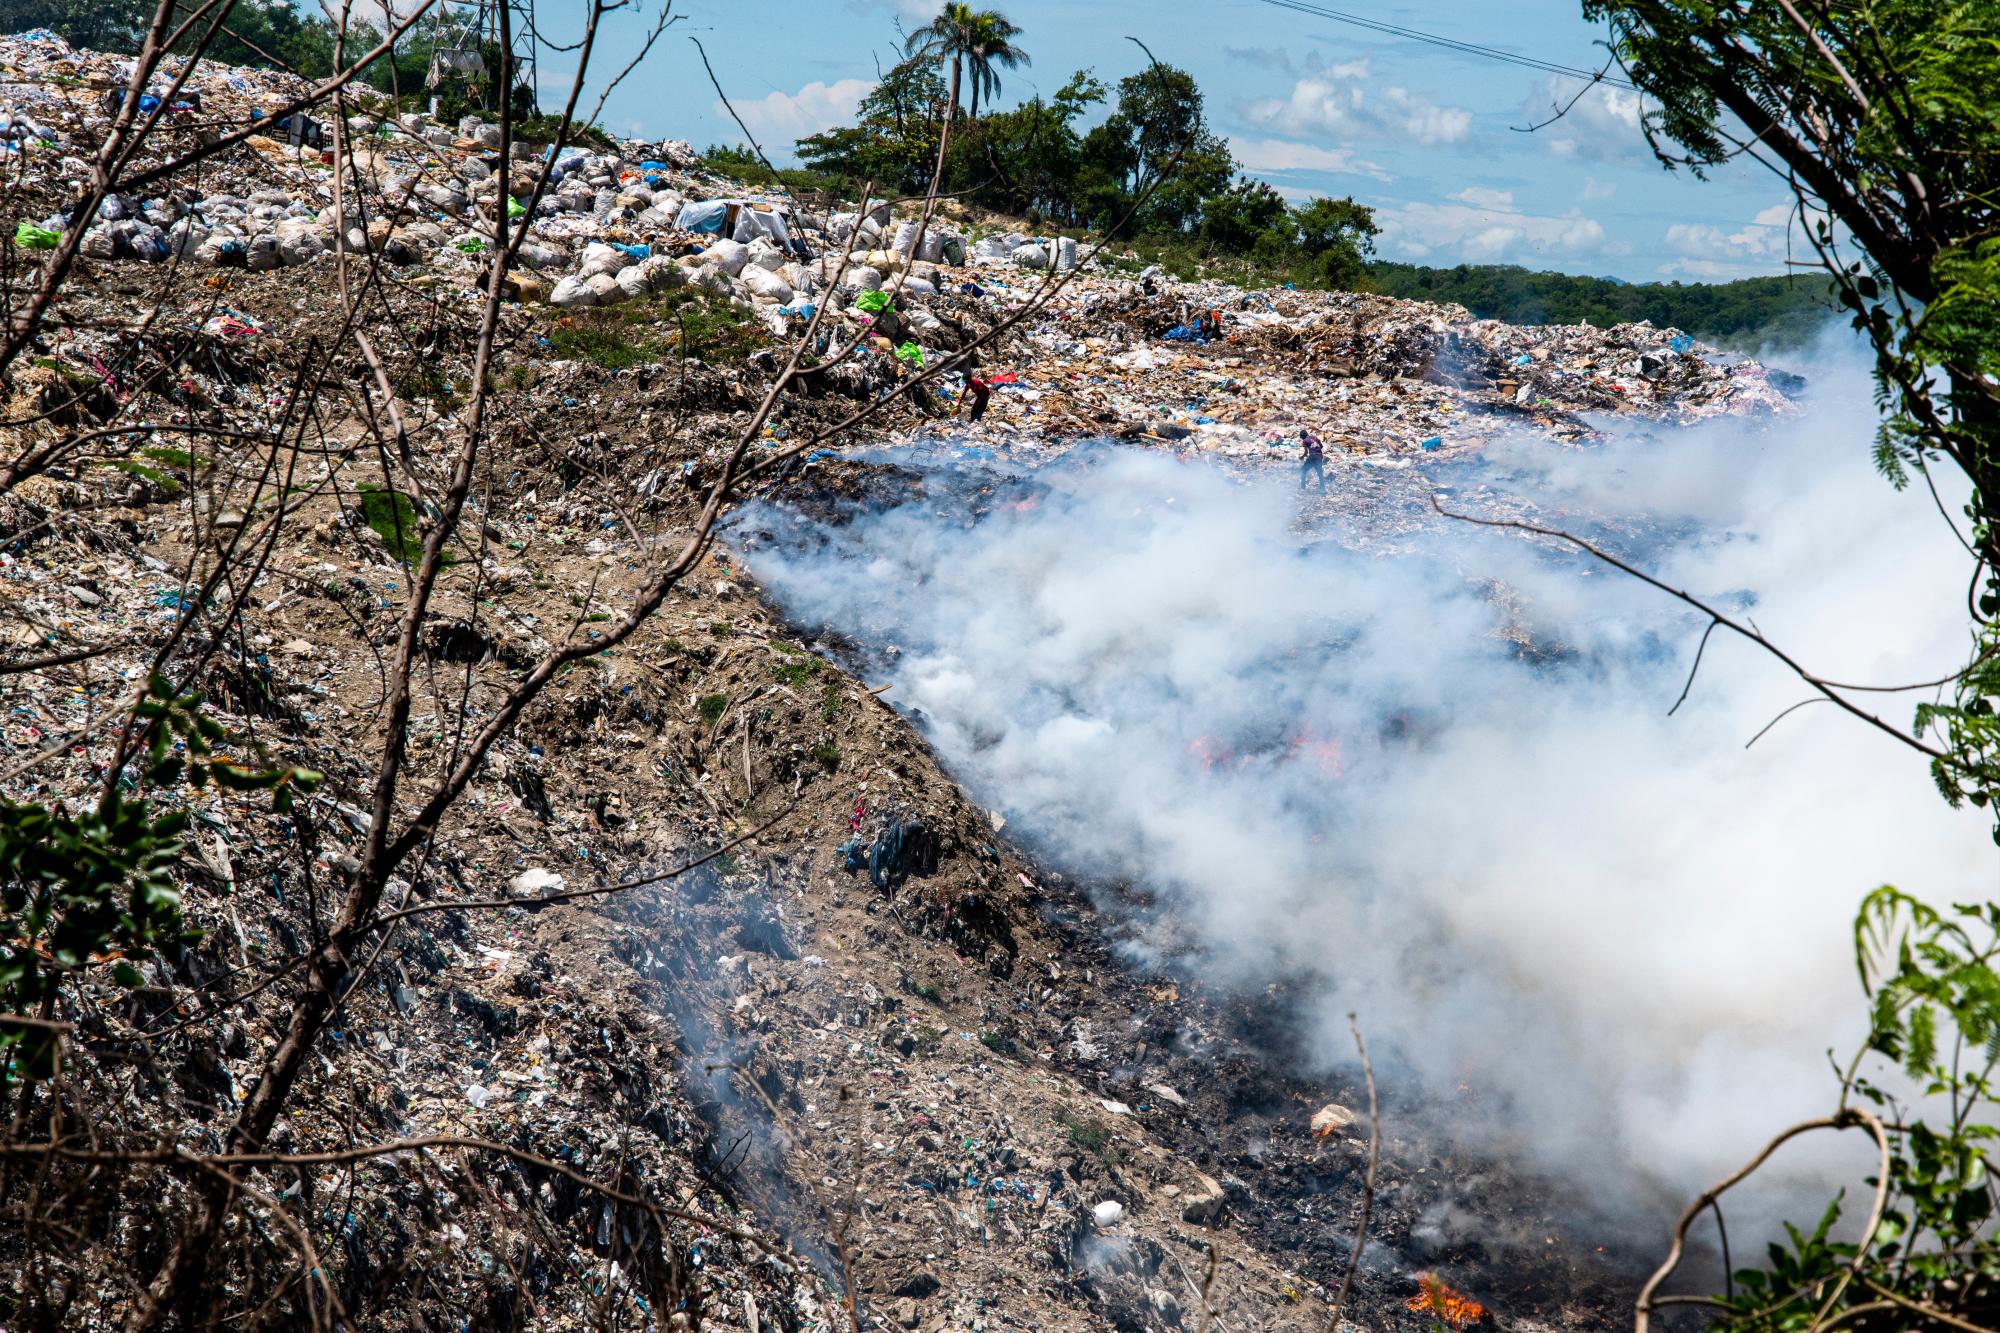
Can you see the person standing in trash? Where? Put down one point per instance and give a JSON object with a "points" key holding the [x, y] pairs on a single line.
{"points": [[1314, 464], [977, 391]]}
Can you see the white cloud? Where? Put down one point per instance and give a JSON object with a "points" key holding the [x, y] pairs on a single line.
{"points": [[1481, 197], [1285, 155], [914, 13], [1601, 126], [777, 119], [1264, 57], [1337, 100], [1595, 190], [1759, 246], [1481, 226]]}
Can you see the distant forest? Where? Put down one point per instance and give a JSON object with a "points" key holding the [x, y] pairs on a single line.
{"points": [[1783, 312]]}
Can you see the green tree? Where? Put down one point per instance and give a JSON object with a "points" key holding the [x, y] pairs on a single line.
{"points": [[1335, 235], [894, 139], [1746, 314], [1155, 141], [1881, 111], [1031, 158], [103, 25], [992, 49], [1879, 114], [978, 40], [1234, 220]]}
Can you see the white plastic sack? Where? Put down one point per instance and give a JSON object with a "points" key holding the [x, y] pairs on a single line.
{"points": [[186, 237], [764, 285], [533, 254], [661, 272], [300, 247], [605, 288], [572, 291], [606, 259], [729, 256]]}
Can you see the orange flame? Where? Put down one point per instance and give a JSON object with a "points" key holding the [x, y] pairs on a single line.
{"points": [[1454, 1307], [1208, 753], [1322, 750]]}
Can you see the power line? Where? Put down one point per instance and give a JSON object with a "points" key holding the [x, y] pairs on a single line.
{"points": [[1451, 43]]}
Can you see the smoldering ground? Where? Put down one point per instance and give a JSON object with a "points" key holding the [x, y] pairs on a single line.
{"points": [[1436, 778]]}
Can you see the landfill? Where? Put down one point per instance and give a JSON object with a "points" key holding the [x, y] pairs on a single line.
{"points": [[1021, 1127]]}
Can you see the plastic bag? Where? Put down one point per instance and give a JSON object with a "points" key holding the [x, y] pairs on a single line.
{"points": [[30, 237], [912, 353], [874, 302]]}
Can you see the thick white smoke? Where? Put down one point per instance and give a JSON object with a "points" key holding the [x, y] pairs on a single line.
{"points": [[1623, 929]]}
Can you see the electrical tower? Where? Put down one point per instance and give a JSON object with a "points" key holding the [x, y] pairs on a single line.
{"points": [[468, 32]]}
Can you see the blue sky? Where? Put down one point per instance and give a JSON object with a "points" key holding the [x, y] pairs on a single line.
{"points": [[1424, 135]]}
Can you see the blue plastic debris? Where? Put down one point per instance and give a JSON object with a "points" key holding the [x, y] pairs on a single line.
{"points": [[1434, 443]]}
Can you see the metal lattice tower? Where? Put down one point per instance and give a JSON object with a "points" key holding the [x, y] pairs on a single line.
{"points": [[474, 27]]}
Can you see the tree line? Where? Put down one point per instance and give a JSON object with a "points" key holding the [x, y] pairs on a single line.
{"points": [[276, 34], [1151, 169], [1748, 313]]}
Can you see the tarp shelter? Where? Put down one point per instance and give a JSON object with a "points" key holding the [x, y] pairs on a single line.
{"points": [[737, 219]]}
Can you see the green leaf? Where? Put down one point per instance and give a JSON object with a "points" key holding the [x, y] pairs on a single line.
{"points": [[243, 779]]}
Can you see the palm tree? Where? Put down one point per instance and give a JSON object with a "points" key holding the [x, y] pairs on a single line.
{"points": [[978, 39], [993, 46]]}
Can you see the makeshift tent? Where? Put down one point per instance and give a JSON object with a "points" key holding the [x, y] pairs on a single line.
{"points": [[737, 219], [468, 64]]}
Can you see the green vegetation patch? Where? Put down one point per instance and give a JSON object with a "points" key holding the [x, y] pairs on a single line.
{"points": [[546, 129], [390, 516], [1090, 1135], [682, 320], [797, 668]]}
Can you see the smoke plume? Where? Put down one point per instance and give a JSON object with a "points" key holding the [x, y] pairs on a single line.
{"points": [[1432, 777]]}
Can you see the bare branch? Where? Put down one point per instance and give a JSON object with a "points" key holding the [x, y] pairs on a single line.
{"points": [[1367, 1183], [1749, 632]]}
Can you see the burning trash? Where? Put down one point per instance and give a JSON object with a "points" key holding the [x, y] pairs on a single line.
{"points": [[1331, 1119], [1435, 1298]]}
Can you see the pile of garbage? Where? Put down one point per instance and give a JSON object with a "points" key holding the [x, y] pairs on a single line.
{"points": [[608, 225]]}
